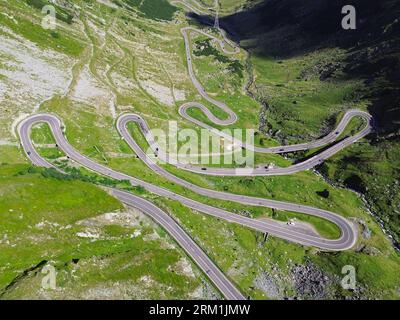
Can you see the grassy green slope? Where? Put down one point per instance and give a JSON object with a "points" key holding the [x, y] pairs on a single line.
{"points": [[295, 95], [39, 223], [239, 252]]}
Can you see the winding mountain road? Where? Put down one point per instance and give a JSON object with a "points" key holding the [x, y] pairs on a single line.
{"points": [[348, 235], [275, 228], [162, 156], [185, 241]]}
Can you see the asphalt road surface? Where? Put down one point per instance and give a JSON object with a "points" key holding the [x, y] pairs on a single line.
{"points": [[348, 232], [232, 118], [229, 291], [262, 170], [345, 241]]}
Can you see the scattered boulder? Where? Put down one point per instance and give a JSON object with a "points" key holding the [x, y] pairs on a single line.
{"points": [[267, 284], [366, 232], [311, 282], [323, 193], [371, 251]]}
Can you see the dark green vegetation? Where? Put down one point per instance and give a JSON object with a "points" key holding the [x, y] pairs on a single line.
{"points": [[58, 40], [61, 13], [116, 259], [204, 48], [152, 9], [41, 213], [309, 70], [374, 171], [236, 248]]}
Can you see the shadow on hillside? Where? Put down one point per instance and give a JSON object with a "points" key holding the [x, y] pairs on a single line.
{"points": [[286, 28]]}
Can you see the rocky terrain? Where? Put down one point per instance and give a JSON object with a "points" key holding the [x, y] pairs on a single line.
{"points": [[107, 57], [370, 55]]}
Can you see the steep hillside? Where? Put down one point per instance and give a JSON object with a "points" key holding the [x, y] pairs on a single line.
{"points": [[108, 57], [297, 45]]}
